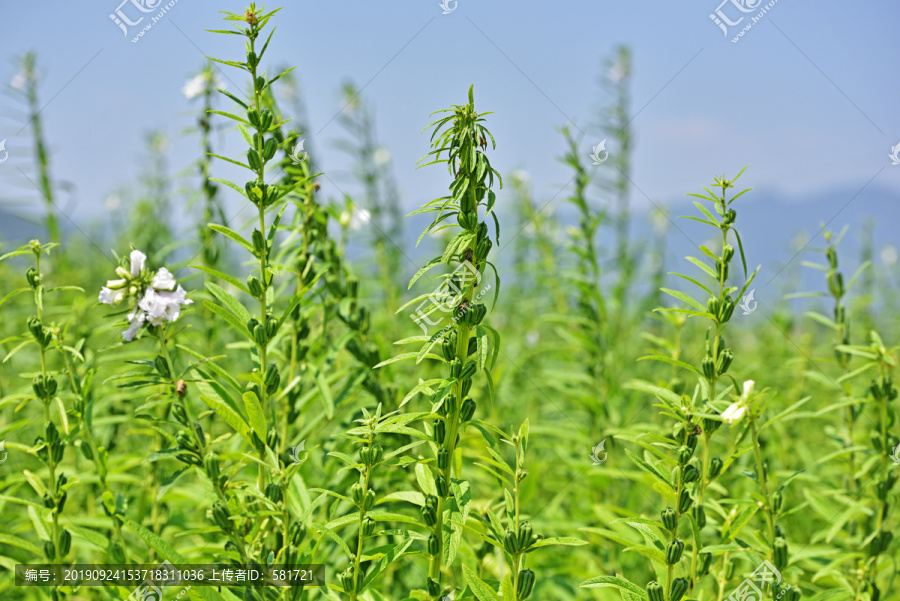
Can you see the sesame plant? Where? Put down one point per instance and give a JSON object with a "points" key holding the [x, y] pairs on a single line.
{"points": [[614, 425]]}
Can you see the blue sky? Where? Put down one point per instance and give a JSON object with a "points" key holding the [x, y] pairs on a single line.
{"points": [[805, 97]]}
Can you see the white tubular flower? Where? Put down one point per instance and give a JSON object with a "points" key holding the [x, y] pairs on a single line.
{"points": [[111, 297], [174, 301], [137, 319], [734, 413], [748, 390], [137, 262], [163, 280]]}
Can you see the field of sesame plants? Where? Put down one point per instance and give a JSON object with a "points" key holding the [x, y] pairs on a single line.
{"points": [[263, 415]]}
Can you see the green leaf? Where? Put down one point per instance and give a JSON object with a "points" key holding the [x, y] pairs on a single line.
{"points": [[641, 463], [390, 557], [481, 590], [230, 233], [222, 276], [619, 582], [233, 304], [255, 414]]}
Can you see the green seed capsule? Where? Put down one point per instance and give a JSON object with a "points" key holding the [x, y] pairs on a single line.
{"points": [[347, 580], [699, 515], [434, 587], [684, 501], [273, 492], [705, 563], [729, 569], [674, 551], [297, 533], [468, 370], [709, 368], [439, 431], [356, 493], [715, 468], [511, 542], [179, 414], [525, 583], [443, 489], [777, 501], [780, 553], [455, 368], [669, 519], [116, 553], [468, 410], [443, 459], [684, 455], [655, 591], [434, 546], [690, 474], [212, 466], [368, 526], [65, 543], [49, 550], [369, 502], [86, 452], [525, 535], [678, 589]]}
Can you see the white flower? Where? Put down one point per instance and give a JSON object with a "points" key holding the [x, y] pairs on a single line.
{"points": [[382, 157], [734, 413], [355, 219], [748, 390], [137, 319], [137, 262], [194, 87], [163, 280], [161, 307], [18, 82], [197, 85], [111, 297]]}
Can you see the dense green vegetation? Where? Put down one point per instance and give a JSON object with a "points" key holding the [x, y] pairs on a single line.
{"points": [[543, 412]]}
